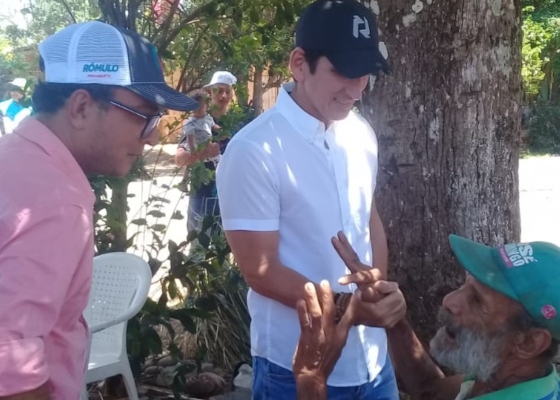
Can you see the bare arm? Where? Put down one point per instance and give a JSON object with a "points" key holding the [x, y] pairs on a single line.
{"points": [[309, 389], [182, 157], [41, 393], [418, 375], [378, 241], [320, 343], [185, 157], [257, 257]]}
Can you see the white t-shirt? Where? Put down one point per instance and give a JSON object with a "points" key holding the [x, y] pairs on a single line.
{"points": [[285, 172], [466, 389]]}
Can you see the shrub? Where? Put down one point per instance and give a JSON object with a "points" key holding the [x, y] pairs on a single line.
{"points": [[544, 129]]}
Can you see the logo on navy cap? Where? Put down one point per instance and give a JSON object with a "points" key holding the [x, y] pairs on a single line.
{"points": [[358, 22]]}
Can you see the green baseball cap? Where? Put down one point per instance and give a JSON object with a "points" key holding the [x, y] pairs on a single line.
{"points": [[528, 273]]}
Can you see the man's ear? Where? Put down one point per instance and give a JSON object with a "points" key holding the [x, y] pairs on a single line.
{"points": [[298, 65], [81, 108], [532, 343]]}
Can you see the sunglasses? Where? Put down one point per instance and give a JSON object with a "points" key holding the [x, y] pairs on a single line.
{"points": [[152, 120]]}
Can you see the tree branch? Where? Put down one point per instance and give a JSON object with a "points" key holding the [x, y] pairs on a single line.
{"points": [[163, 42], [111, 11], [108, 11], [164, 27], [191, 52], [273, 83], [132, 12], [146, 20], [68, 10], [195, 78]]}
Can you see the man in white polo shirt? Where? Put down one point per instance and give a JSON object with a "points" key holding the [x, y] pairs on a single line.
{"points": [[289, 181]]}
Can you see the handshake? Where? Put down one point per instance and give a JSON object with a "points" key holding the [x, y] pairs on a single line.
{"points": [[326, 318]]}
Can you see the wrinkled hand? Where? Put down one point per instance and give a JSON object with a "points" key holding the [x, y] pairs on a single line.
{"points": [[385, 312], [361, 274], [321, 340], [377, 302]]}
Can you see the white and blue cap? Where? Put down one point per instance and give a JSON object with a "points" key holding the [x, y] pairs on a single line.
{"points": [[98, 53]]}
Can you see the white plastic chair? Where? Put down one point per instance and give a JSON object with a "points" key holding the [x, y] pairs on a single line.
{"points": [[119, 289]]}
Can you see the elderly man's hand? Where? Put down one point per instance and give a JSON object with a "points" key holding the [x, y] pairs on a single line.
{"points": [[377, 302], [388, 308], [321, 341]]}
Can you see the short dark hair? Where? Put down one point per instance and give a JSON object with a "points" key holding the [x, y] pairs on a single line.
{"points": [[49, 98], [312, 58], [523, 322], [201, 97]]}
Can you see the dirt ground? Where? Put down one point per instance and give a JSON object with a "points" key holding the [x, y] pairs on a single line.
{"points": [[162, 159]]}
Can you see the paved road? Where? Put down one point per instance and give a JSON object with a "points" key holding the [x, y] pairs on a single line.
{"points": [[539, 189]]}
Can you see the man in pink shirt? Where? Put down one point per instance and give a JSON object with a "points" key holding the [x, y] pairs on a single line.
{"points": [[99, 103]]}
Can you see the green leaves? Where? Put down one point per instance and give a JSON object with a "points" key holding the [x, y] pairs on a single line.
{"points": [[177, 215], [158, 227], [541, 47], [544, 129], [156, 213]]}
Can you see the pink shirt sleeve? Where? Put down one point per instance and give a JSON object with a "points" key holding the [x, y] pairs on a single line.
{"points": [[40, 250]]}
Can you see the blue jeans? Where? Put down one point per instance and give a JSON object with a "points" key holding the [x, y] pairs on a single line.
{"points": [[200, 207], [271, 382]]}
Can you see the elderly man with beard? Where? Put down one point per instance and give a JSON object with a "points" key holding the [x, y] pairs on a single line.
{"points": [[500, 330]]}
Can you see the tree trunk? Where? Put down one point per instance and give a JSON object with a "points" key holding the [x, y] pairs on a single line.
{"points": [[258, 91], [448, 123], [116, 214]]}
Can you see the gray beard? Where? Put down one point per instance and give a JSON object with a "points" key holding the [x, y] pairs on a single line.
{"points": [[475, 355]]}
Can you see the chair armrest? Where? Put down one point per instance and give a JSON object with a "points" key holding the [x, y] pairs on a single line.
{"points": [[107, 324]]}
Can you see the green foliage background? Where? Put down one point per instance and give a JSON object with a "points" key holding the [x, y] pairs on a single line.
{"points": [[541, 75], [541, 50]]}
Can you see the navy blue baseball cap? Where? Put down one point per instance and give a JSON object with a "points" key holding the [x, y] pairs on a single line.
{"points": [[345, 32]]}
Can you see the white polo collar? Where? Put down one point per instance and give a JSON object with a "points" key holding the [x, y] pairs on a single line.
{"points": [[307, 125]]}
